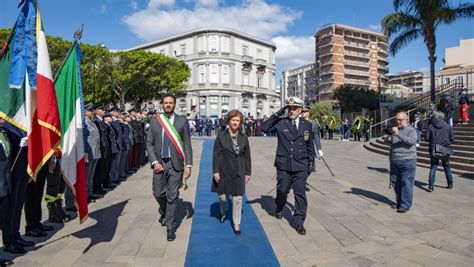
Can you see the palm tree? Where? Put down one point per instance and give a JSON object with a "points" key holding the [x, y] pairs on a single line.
{"points": [[413, 19]]}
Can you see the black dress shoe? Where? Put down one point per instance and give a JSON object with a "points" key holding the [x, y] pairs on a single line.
{"points": [[237, 232], [402, 210], [5, 262], [14, 249], [450, 186], [36, 232], [430, 189], [93, 197], [162, 221], [45, 227], [24, 243], [170, 235], [307, 189], [395, 206], [278, 215], [300, 229]]}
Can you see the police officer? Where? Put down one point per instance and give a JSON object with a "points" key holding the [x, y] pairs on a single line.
{"points": [[113, 151], [316, 139], [295, 153], [100, 172]]}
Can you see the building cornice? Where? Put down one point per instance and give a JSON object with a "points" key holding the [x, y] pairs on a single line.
{"points": [[350, 28], [199, 31]]}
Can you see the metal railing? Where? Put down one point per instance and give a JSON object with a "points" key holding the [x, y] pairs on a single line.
{"points": [[379, 127]]}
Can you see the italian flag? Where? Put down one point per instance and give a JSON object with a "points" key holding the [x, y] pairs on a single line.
{"points": [[30, 73], [70, 104]]}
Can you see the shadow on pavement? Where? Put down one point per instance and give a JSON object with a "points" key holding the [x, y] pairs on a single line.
{"points": [[104, 230], [185, 210], [424, 186], [382, 170], [371, 195], [469, 176]]}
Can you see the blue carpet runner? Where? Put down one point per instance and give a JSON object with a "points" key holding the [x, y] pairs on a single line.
{"points": [[214, 244]]}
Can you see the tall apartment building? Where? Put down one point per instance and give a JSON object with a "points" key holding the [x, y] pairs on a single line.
{"points": [[229, 70], [349, 55], [300, 82], [410, 79]]}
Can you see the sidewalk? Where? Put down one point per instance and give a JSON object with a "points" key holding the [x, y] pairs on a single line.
{"points": [[349, 221]]}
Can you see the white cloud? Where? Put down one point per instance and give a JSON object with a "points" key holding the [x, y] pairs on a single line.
{"points": [[164, 18], [375, 27], [294, 51]]}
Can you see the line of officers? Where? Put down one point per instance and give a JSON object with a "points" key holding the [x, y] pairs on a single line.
{"points": [[114, 142]]}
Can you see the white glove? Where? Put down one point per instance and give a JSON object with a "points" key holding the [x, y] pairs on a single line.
{"points": [[320, 152], [24, 142]]}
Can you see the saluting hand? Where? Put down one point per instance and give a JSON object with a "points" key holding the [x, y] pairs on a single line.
{"points": [[217, 177]]}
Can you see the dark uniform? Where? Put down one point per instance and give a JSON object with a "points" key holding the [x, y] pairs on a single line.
{"points": [[100, 171], [120, 143], [294, 154], [113, 151]]}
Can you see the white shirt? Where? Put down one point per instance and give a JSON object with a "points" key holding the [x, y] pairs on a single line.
{"points": [[297, 122]]}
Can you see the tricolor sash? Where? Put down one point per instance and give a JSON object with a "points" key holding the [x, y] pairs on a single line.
{"points": [[172, 133]]}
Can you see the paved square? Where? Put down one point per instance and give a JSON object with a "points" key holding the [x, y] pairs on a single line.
{"points": [[349, 223]]}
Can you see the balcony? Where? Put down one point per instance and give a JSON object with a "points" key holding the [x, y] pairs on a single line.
{"points": [[383, 43], [357, 63], [261, 90], [247, 59], [327, 52], [325, 72], [323, 44], [213, 53], [357, 82], [325, 81], [383, 52], [382, 68], [356, 54], [383, 59], [261, 61], [356, 45], [247, 88], [358, 73], [324, 63]]}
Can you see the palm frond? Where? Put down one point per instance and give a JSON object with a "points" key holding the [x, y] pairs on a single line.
{"points": [[396, 22], [465, 11], [403, 39]]}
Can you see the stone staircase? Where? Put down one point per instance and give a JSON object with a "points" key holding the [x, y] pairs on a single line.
{"points": [[462, 161]]}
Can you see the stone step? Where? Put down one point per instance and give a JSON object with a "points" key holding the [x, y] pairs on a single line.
{"points": [[455, 146], [463, 133], [458, 156], [458, 168], [469, 153], [440, 168]]}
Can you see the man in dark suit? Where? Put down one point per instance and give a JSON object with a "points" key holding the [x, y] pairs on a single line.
{"points": [[295, 153], [170, 156], [119, 140]]}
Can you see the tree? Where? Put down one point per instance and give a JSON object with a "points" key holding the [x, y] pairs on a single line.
{"points": [[139, 75], [355, 98], [413, 19]]}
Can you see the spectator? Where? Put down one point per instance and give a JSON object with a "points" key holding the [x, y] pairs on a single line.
{"points": [[403, 162], [439, 133], [417, 124], [448, 111], [464, 107]]}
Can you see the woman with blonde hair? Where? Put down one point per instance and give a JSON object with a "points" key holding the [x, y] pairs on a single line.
{"points": [[231, 166]]}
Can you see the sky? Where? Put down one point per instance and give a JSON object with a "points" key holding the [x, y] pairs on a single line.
{"points": [[289, 24]]}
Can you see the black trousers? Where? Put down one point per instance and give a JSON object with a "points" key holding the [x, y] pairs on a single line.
{"points": [[108, 165], [141, 153], [34, 196], [296, 180], [14, 202], [100, 171]]}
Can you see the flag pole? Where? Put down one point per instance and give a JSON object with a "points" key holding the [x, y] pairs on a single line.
{"points": [[77, 37]]}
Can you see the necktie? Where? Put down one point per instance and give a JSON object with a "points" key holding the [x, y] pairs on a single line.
{"points": [[166, 145], [6, 144]]}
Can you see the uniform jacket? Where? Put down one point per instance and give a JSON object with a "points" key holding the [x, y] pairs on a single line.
{"points": [[316, 139], [154, 140], [5, 166], [117, 125], [93, 139], [137, 131], [232, 167], [104, 141], [112, 138], [295, 150], [126, 136]]}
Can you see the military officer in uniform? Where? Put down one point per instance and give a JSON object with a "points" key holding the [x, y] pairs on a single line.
{"points": [[294, 156], [100, 172]]}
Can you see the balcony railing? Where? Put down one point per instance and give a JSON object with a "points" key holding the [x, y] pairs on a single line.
{"points": [[358, 82], [383, 59], [247, 88], [247, 58], [325, 72], [381, 51], [357, 63], [326, 52], [358, 45], [358, 73], [328, 62], [356, 54]]}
